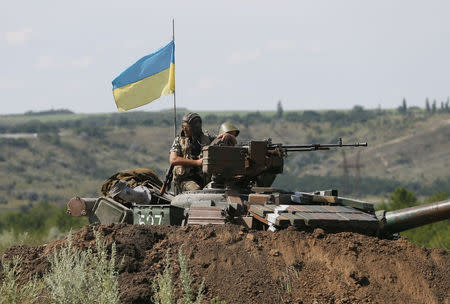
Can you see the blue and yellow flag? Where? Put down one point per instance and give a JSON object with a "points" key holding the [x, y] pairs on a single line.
{"points": [[148, 79]]}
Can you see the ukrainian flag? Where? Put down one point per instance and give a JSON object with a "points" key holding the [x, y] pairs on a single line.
{"points": [[148, 79]]}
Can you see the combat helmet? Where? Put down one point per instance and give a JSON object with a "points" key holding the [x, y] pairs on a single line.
{"points": [[195, 121], [228, 127], [191, 117]]}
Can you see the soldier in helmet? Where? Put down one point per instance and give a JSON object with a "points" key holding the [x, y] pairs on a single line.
{"points": [[185, 153], [226, 128]]}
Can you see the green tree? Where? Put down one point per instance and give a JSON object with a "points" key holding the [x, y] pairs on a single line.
{"points": [[279, 109], [433, 107], [427, 105], [403, 108], [400, 198]]}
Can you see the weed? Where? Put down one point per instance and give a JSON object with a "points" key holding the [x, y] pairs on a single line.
{"points": [[12, 292], [186, 281], [164, 289], [162, 285], [217, 300], [9, 238], [291, 273], [92, 279]]}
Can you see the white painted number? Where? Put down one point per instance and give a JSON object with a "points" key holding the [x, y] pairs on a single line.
{"points": [[142, 220]]}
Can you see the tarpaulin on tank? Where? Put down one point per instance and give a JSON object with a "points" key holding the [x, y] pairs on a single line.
{"points": [[134, 177]]}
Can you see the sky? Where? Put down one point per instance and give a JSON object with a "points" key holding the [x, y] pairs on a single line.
{"points": [[230, 55]]}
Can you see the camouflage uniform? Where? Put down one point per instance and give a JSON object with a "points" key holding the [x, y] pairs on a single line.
{"points": [[189, 178]]}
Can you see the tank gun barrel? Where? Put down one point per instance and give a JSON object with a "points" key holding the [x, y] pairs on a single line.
{"points": [[408, 218]]}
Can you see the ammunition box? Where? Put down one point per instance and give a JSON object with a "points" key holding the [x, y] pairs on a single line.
{"points": [[227, 161]]}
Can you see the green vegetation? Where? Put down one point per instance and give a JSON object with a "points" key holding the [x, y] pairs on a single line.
{"points": [[93, 278], [435, 235], [36, 225], [164, 288], [12, 292]]}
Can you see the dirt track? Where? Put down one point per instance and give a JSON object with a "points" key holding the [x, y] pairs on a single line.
{"points": [[260, 267]]}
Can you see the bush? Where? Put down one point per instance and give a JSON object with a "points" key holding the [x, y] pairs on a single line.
{"points": [[12, 292], [93, 277]]}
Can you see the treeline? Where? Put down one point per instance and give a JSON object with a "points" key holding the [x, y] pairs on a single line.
{"points": [[49, 112], [95, 125]]}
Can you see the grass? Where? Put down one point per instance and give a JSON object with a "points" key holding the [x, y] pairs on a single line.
{"points": [[8, 238], [75, 277], [164, 288], [93, 277], [12, 292]]}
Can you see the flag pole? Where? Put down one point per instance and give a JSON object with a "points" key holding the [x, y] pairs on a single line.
{"points": [[174, 95]]}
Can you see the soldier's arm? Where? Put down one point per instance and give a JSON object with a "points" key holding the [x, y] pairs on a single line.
{"points": [[177, 160]]}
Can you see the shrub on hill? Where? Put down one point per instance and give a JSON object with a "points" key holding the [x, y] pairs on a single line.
{"points": [[39, 220]]}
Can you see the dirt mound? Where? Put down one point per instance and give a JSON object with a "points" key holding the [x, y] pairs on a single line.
{"points": [[289, 266]]}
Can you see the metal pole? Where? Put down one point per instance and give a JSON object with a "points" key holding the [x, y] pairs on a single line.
{"points": [[174, 95]]}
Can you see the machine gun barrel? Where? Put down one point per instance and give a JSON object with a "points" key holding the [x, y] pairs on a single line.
{"points": [[315, 147]]}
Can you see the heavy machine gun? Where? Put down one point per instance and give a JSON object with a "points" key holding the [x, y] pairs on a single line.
{"points": [[254, 163]]}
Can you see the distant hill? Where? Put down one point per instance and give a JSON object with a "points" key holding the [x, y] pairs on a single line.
{"points": [[72, 154]]}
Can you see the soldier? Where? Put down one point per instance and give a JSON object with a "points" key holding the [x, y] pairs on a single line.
{"points": [[185, 153], [226, 128], [229, 128]]}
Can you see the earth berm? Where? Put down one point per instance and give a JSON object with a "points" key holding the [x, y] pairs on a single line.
{"points": [[288, 266]]}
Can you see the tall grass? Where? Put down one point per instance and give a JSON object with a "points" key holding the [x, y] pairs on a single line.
{"points": [[8, 238], [92, 279], [164, 288], [75, 277], [11, 237], [12, 292]]}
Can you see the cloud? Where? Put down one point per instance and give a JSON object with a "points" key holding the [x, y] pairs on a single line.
{"points": [[10, 83], [314, 48], [207, 83], [82, 62], [50, 62], [18, 37], [133, 44], [281, 45], [75, 85], [46, 63], [239, 57]]}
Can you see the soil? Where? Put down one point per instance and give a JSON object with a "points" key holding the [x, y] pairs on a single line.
{"points": [[288, 266]]}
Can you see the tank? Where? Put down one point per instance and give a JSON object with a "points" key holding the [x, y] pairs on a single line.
{"points": [[240, 191]]}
